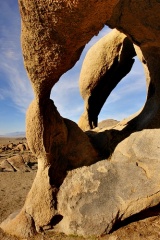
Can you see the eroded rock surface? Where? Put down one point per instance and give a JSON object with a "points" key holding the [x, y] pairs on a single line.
{"points": [[54, 34], [105, 64], [92, 200]]}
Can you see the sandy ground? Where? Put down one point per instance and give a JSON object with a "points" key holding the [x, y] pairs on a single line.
{"points": [[6, 140], [14, 187]]}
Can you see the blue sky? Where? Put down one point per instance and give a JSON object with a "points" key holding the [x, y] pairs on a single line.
{"points": [[15, 89]]}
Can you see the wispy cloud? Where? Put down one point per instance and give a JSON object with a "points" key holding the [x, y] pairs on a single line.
{"points": [[15, 84], [19, 90], [66, 95], [133, 84], [66, 92], [128, 97], [135, 87]]}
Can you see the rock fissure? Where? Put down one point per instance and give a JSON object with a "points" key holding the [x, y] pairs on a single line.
{"points": [[144, 168]]}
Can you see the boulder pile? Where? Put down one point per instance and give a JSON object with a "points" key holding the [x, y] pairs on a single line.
{"points": [[17, 157]]}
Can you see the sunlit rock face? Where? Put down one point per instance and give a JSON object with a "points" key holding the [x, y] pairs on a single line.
{"points": [[93, 200], [106, 63], [54, 34]]}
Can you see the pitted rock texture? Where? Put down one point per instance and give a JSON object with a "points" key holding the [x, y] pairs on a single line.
{"points": [[92, 200], [52, 40], [54, 34]]}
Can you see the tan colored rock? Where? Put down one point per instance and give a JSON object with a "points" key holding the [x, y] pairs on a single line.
{"points": [[26, 146], [143, 35], [79, 150], [22, 221], [108, 123], [17, 162], [57, 151], [10, 146], [29, 158], [105, 64], [92, 200], [47, 46], [6, 166], [28, 221], [3, 148], [20, 147], [54, 34]]}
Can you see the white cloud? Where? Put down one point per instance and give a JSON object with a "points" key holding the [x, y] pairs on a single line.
{"points": [[128, 89], [66, 92], [128, 97], [66, 95], [18, 87], [11, 55], [132, 86], [15, 84]]}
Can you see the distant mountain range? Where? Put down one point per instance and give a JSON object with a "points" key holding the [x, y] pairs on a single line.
{"points": [[102, 124], [14, 134]]}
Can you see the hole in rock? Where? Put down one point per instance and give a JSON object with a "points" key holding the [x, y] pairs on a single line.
{"points": [[56, 219], [150, 212], [127, 98], [65, 93]]}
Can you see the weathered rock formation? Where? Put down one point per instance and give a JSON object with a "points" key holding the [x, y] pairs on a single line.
{"points": [[54, 34], [94, 199], [103, 79], [21, 147], [106, 63], [17, 157], [17, 163]]}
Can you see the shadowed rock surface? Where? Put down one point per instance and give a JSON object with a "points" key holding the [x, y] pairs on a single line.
{"points": [[54, 34]]}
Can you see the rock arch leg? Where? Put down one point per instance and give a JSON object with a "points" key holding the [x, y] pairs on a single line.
{"points": [[105, 64], [51, 47]]}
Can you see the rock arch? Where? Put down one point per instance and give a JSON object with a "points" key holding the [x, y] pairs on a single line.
{"points": [[105, 64], [53, 36]]}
